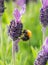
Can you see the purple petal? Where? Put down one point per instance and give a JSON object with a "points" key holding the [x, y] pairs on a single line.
{"points": [[20, 2], [45, 45], [23, 9], [17, 15], [45, 3]]}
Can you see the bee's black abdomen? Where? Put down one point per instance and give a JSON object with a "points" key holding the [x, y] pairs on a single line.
{"points": [[25, 38]]}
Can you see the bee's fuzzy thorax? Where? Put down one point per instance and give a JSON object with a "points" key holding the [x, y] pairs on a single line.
{"points": [[29, 33]]}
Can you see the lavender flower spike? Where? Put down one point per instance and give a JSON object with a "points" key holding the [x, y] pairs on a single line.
{"points": [[44, 13], [41, 58], [43, 54]]}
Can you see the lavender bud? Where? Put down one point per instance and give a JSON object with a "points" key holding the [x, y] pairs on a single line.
{"points": [[15, 30]]}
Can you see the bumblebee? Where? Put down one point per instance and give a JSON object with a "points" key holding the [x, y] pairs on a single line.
{"points": [[26, 35]]}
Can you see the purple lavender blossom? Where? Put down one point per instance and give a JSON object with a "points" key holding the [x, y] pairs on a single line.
{"points": [[14, 30], [16, 26], [41, 58], [44, 13]]}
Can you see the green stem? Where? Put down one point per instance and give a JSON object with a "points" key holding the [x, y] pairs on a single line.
{"points": [[14, 49], [13, 52]]}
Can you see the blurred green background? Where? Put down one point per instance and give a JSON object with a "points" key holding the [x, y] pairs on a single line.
{"points": [[27, 50]]}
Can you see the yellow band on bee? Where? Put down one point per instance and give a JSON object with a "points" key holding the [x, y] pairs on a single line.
{"points": [[29, 33]]}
